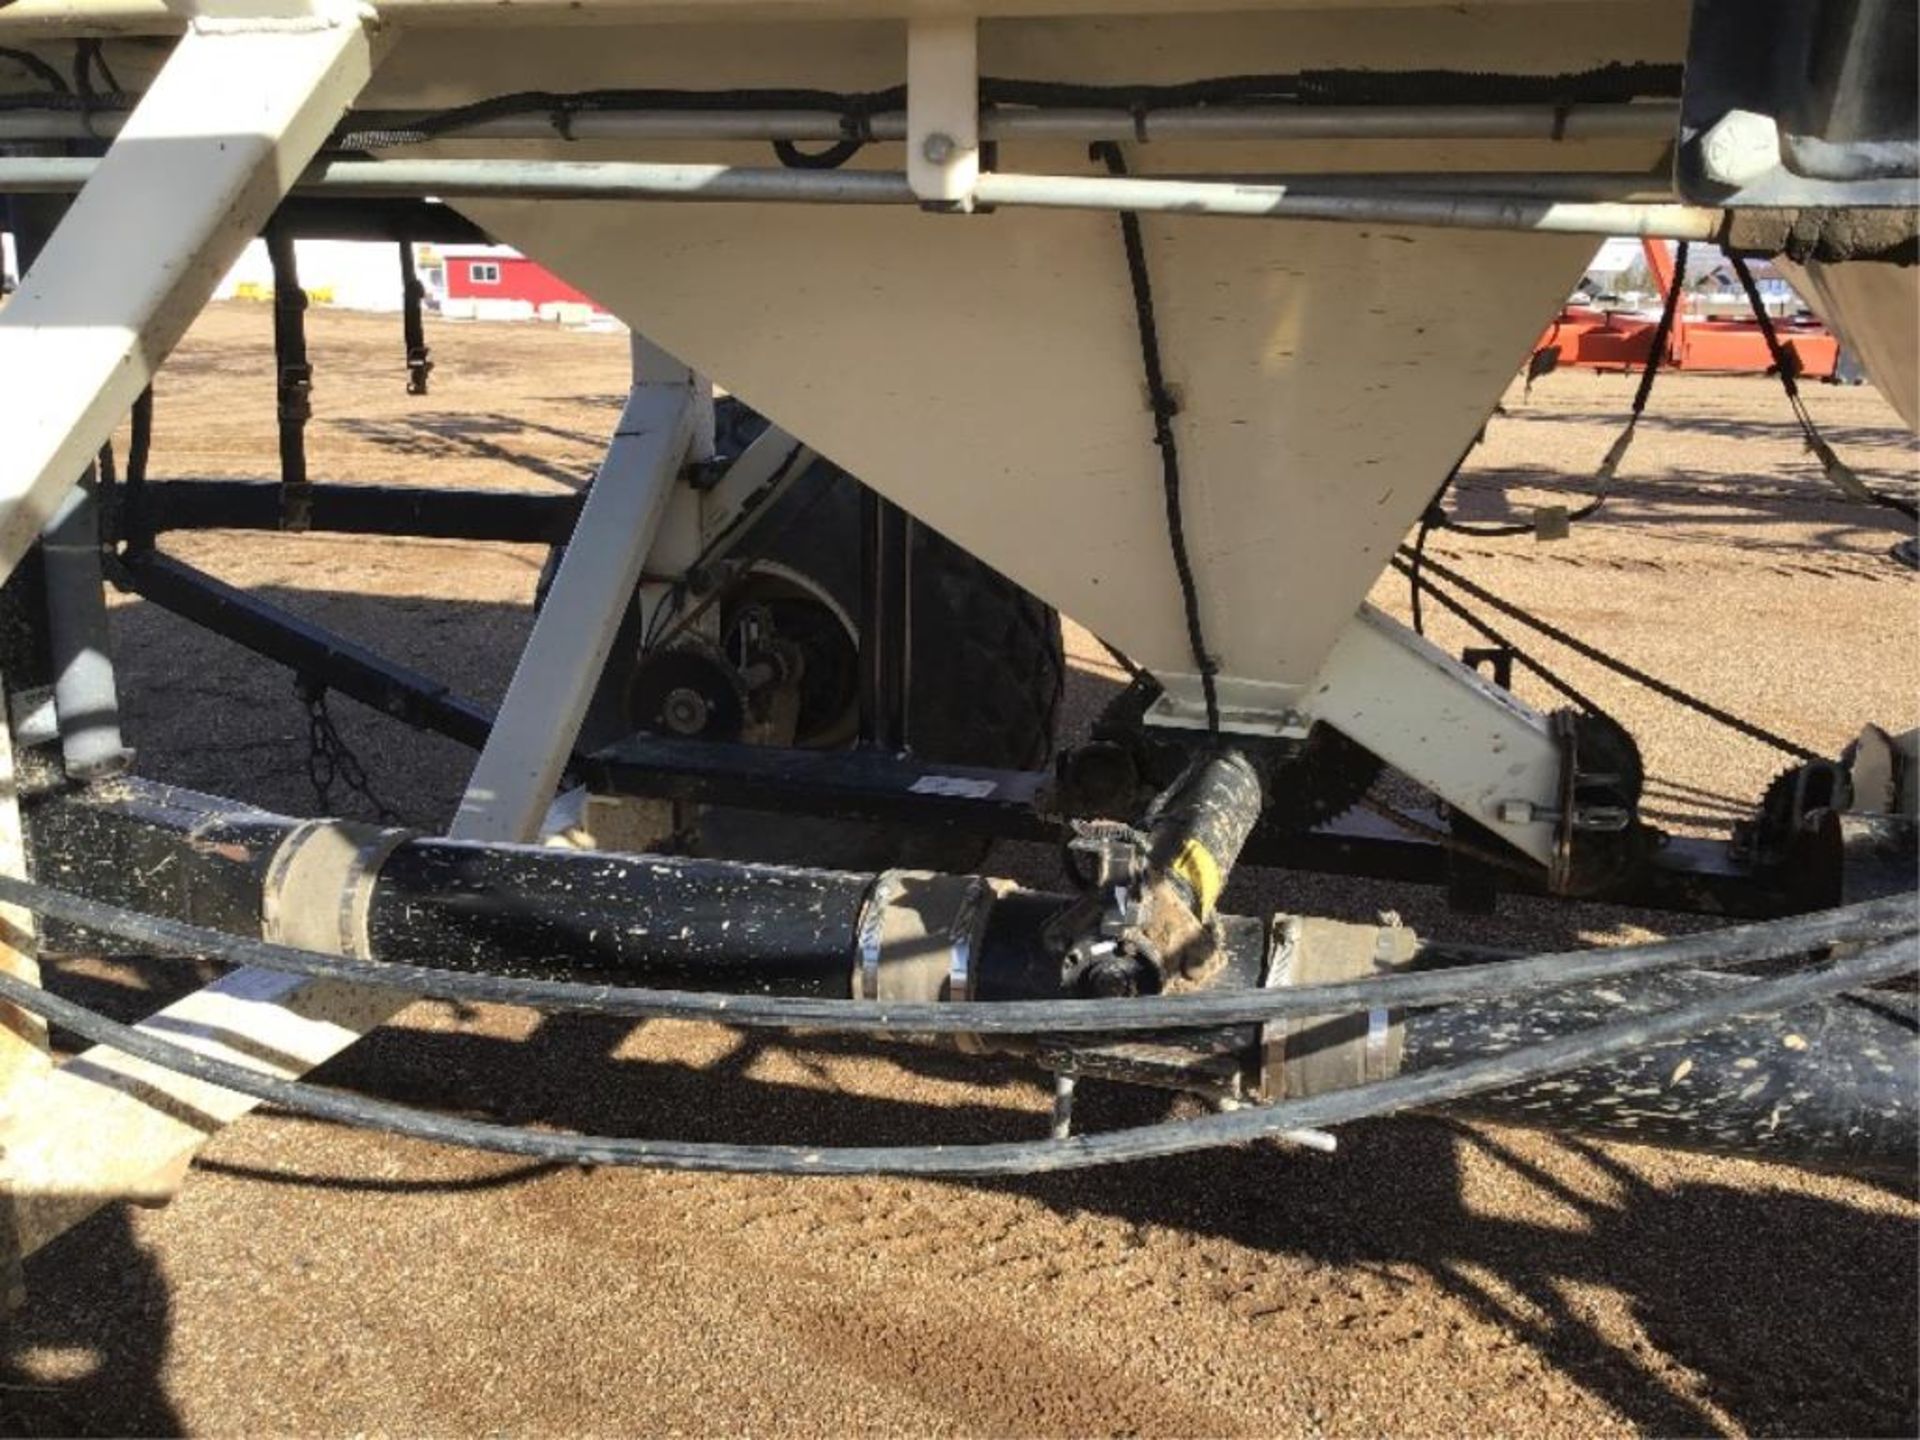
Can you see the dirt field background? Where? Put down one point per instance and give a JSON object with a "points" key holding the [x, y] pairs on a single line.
{"points": [[1429, 1279]]}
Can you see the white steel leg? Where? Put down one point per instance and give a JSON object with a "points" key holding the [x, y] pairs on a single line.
{"points": [[1440, 722], [236, 112], [513, 782], [233, 117]]}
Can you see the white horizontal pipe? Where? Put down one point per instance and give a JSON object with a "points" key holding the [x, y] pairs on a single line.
{"points": [[1649, 120], [1267, 199], [1281, 202], [533, 180]]}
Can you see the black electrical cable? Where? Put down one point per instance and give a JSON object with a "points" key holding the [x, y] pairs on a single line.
{"points": [[1416, 585], [1663, 688], [1870, 921], [1435, 517], [1663, 332], [1786, 367], [1610, 84], [1423, 586], [1165, 407], [831, 158], [1422, 1089], [1123, 660], [95, 52], [1432, 517], [40, 69]]}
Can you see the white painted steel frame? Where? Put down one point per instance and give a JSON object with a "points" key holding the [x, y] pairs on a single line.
{"points": [[235, 114], [943, 108]]}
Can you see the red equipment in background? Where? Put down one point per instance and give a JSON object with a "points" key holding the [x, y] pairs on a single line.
{"points": [[1621, 340]]}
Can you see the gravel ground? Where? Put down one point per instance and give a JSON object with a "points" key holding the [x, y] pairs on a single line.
{"points": [[1430, 1278]]}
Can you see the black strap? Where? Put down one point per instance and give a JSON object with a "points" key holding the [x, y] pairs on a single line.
{"points": [[293, 381], [1786, 364], [412, 295], [1665, 689]]}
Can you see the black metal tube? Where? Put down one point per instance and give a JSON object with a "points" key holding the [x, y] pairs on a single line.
{"points": [[1830, 1085], [309, 650], [415, 511], [886, 538], [711, 924], [131, 528]]}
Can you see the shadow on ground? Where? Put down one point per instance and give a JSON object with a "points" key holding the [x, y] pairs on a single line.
{"points": [[1740, 1286]]}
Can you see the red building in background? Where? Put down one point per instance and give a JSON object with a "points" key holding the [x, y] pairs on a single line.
{"points": [[494, 282]]}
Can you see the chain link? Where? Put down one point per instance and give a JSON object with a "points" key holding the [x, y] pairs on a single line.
{"points": [[330, 761]]}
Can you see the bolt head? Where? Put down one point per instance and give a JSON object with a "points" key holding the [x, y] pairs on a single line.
{"points": [[938, 147], [1742, 146]]}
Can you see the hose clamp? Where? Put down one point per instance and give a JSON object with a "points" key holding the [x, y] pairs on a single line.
{"points": [[919, 939], [1303, 1055], [318, 889]]}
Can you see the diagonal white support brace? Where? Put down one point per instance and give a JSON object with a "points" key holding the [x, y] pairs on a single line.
{"points": [[227, 126], [513, 783], [1436, 720]]}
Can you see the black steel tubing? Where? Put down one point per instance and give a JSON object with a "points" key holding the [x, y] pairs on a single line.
{"points": [[412, 511], [479, 900], [711, 924], [306, 648], [886, 589], [1834, 1086]]}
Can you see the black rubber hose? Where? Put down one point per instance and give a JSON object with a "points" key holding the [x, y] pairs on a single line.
{"points": [[1406, 1092], [1872, 921], [1832, 1085]]}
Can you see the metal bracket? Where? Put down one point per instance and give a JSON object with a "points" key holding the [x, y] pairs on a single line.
{"points": [[943, 111], [1430, 717]]}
